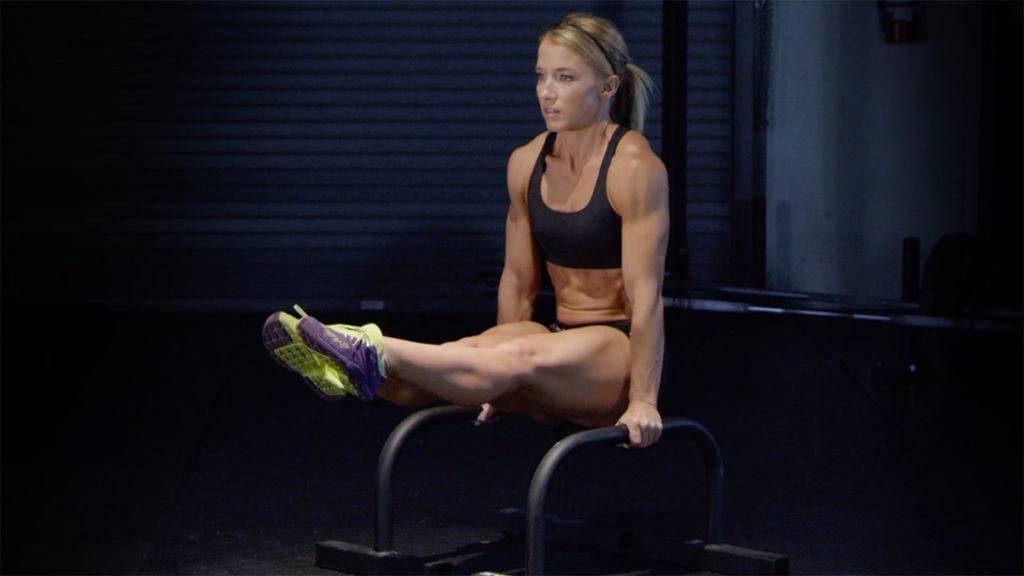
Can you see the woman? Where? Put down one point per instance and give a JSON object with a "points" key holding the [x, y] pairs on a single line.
{"points": [[589, 198]]}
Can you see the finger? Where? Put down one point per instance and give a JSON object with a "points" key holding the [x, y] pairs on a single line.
{"points": [[636, 437], [489, 413], [651, 434], [484, 415], [625, 428]]}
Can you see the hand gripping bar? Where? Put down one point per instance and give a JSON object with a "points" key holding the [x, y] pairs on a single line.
{"points": [[384, 526]]}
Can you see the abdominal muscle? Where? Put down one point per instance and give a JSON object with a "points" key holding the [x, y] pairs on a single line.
{"points": [[584, 296]]}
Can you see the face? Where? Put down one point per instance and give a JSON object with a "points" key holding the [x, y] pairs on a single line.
{"points": [[570, 93]]}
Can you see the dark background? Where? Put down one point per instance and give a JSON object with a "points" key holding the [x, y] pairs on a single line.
{"points": [[173, 172]]}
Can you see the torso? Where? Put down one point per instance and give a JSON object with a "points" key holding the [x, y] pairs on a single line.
{"points": [[588, 296], [584, 295]]}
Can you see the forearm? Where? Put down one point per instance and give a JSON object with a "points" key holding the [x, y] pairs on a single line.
{"points": [[647, 347], [515, 301]]}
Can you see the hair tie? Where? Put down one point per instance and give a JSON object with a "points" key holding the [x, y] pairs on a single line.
{"points": [[596, 43]]}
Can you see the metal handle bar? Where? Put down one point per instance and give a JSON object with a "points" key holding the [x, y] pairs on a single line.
{"points": [[384, 529], [615, 435]]}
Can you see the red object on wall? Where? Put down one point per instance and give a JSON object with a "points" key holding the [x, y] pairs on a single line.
{"points": [[901, 20]]}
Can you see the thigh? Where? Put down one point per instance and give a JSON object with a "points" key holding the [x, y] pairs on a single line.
{"points": [[499, 334], [403, 394], [581, 374]]}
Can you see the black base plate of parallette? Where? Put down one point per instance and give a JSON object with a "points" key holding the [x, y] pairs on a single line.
{"points": [[692, 554], [503, 556], [507, 556], [573, 546], [482, 557], [355, 559]]}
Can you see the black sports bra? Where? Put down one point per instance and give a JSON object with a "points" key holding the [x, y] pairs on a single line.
{"points": [[587, 238]]}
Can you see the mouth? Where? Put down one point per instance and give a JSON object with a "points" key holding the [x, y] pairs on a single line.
{"points": [[550, 112]]}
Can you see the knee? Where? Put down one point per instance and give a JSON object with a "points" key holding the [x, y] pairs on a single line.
{"points": [[403, 394], [522, 355], [468, 342]]}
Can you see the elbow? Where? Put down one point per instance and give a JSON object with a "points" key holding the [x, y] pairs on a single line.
{"points": [[648, 308], [520, 286], [645, 296], [516, 297], [648, 315]]}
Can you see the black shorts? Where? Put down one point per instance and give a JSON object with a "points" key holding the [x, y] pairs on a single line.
{"points": [[623, 326]]}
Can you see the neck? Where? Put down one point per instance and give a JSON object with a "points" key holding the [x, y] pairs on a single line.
{"points": [[579, 146]]}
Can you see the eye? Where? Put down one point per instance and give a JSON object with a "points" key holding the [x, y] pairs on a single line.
{"points": [[540, 77], [565, 78]]}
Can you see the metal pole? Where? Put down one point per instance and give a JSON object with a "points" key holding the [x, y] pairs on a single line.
{"points": [[911, 269], [384, 530], [673, 130], [615, 435], [1009, 324]]}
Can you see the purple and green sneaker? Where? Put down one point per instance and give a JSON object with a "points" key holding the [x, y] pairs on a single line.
{"points": [[282, 340], [355, 351]]}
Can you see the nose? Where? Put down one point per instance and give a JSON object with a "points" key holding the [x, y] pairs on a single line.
{"points": [[544, 90]]}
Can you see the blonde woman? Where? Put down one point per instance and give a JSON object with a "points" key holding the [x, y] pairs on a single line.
{"points": [[588, 200]]}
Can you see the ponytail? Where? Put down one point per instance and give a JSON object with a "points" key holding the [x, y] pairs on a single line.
{"points": [[633, 97]]}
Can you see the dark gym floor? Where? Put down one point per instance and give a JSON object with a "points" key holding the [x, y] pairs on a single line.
{"points": [[171, 444]]}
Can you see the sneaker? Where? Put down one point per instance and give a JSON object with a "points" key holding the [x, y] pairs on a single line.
{"points": [[282, 340], [356, 351]]}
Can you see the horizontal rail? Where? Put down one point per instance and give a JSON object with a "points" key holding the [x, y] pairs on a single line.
{"points": [[1006, 323]]}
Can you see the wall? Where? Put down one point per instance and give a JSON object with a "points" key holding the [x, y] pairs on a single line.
{"points": [[246, 156], [867, 143]]}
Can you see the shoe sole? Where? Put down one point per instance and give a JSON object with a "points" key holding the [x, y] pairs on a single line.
{"points": [[319, 339], [282, 341]]}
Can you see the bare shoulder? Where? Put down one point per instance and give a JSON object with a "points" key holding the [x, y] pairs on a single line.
{"points": [[521, 161], [635, 153], [636, 173], [529, 151]]}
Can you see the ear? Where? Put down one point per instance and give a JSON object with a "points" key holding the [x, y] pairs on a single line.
{"points": [[610, 86]]}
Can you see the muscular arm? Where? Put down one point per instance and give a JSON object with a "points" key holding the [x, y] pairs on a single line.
{"points": [[642, 200], [520, 277]]}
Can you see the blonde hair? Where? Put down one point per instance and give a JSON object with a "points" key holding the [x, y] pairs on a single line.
{"points": [[601, 46]]}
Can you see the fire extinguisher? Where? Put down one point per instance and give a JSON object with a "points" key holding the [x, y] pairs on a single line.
{"points": [[901, 20]]}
